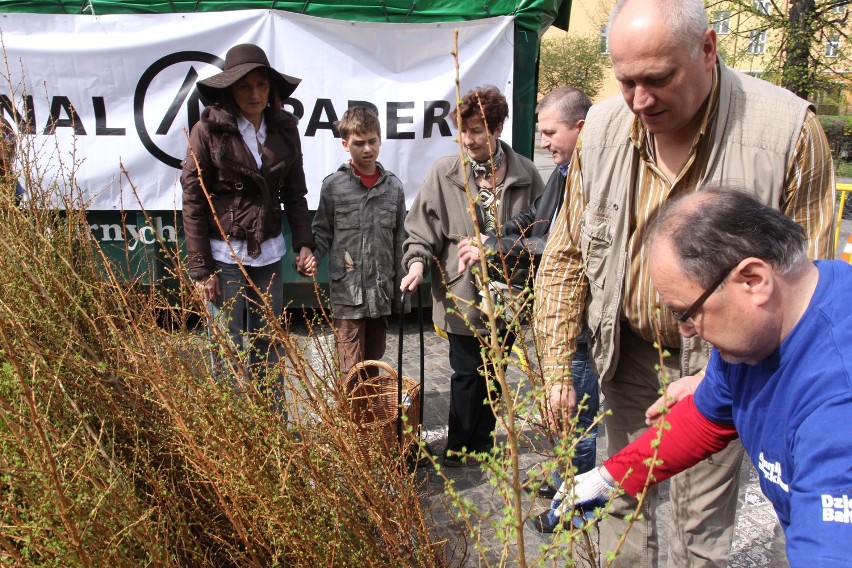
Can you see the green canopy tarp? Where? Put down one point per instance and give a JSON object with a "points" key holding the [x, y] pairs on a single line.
{"points": [[531, 15]]}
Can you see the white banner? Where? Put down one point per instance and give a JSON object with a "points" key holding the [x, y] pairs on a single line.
{"points": [[98, 92]]}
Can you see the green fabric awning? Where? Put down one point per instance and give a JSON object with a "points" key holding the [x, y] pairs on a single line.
{"points": [[531, 15]]}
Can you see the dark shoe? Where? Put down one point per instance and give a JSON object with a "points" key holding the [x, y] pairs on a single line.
{"points": [[456, 459], [419, 456], [452, 461], [544, 491], [547, 522]]}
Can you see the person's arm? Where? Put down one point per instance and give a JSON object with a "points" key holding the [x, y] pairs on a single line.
{"points": [[523, 238], [809, 195], [323, 223], [198, 170], [515, 246], [560, 299], [398, 240], [424, 224], [521, 222], [689, 439], [293, 194], [526, 233]]}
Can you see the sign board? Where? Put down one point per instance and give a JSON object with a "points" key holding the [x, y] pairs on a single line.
{"points": [[97, 94]]}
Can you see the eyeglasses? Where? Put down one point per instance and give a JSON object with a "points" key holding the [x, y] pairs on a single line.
{"points": [[685, 318]]}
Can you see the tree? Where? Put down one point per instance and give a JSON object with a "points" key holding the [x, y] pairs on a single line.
{"points": [[796, 43], [572, 60]]}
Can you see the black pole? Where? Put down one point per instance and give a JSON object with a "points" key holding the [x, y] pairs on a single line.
{"points": [[422, 359], [399, 370]]}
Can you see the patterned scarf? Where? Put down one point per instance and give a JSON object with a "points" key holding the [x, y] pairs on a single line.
{"points": [[488, 198], [487, 168]]}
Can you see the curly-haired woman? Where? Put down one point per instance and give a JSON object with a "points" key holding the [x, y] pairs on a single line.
{"points": [[502, 184]]}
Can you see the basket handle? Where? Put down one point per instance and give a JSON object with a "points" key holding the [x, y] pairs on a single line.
{"points": [[353, 371]]}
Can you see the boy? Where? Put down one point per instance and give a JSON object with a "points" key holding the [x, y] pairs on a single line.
{"points": [[360, 224]]}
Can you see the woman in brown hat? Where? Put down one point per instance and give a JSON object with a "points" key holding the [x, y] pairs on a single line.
{"points": [[244, 162]]}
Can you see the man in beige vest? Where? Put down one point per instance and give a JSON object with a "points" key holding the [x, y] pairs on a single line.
{"points": [[683, 120]]}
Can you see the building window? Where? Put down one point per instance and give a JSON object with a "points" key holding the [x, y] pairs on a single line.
{"points": [[721, 22], [832, 46], [756, 42], [604, 40], [762, 6]]}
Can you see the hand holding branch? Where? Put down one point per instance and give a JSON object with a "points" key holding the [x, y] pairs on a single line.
{"points": [[469, 251]]}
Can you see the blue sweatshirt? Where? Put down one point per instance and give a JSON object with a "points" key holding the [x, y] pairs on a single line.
{"points": [[793, 412]]}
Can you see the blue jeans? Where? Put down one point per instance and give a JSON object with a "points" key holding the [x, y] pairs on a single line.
{"points": [[585, 383], [586, 386], [243, 312]]}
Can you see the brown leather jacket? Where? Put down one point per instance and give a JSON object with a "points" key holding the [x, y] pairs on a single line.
{"points": [[246, 200]]}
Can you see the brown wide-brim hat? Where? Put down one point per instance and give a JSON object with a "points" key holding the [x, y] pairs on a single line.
{"points": [[239, 61]]}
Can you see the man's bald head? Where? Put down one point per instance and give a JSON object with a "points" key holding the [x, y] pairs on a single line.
{"points": [[717, 227], [684, 21]]}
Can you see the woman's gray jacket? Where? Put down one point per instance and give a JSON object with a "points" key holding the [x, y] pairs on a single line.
{"points": [[439, 218]]}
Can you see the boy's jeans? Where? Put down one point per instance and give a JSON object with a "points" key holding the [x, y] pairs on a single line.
{"points": [[360, 340]]}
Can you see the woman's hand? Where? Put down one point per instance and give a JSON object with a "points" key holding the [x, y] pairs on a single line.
{"points": [[412, 280], [306, 262], [208, 288], [469, 250]]}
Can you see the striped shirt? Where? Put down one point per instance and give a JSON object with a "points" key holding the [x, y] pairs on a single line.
{"points": [[561, 287]]}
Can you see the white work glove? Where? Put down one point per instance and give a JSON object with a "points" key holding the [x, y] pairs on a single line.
{"points": [[590, 491]]}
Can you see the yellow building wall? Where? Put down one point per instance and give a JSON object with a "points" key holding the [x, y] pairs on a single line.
{"points": [[587, 17]]}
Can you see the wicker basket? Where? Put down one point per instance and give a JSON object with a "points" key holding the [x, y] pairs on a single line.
{"points": [[371, 394]]}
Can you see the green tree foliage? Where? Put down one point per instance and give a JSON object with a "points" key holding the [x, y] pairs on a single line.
{"points": [[798, 44], [838, 129], [572, 60]]}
